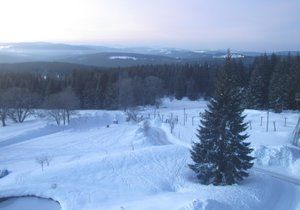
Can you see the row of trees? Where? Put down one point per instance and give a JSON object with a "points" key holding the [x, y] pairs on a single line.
{"points": [[274, 82], [19, 103], [267, 82], [120, 88]]}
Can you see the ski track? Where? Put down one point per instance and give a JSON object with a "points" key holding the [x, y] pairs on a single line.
{"points": [[279, 176]]}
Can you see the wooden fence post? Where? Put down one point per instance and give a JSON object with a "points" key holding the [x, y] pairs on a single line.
{"points": [[285, 122], [184, 116], [274, 124], [268, 121]]}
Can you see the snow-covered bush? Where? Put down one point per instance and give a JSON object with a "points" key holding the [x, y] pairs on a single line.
{"points": [[3, 173], [133, 115], [146, 125], [43, 160], [274, 156], [144, 128]]}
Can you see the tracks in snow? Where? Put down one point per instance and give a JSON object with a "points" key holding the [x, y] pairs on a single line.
{"points": [[279, 176]]}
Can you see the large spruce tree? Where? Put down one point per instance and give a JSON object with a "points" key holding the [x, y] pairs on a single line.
{"points": [[222, 156]]}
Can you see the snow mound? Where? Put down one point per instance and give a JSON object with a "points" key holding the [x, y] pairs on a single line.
{"points": [[151, 136], [273, 156], [208, 204], [279, 157], [213, 204]]}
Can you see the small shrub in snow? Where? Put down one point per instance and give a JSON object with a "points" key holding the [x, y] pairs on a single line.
{"points": [[43, 160], [3, 173], [133, 115]]}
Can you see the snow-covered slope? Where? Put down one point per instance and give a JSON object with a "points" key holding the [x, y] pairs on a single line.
{"points": [[127, 166]]}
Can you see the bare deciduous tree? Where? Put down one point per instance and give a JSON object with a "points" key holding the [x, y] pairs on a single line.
{"points": [[21, 103], [4, 108], [62, 105], [70, 103], [43, 160], [133, 115]]}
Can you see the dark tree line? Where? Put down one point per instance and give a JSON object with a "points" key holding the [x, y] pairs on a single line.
{"points": [[274, 82], [267, 82], [119, 88]]}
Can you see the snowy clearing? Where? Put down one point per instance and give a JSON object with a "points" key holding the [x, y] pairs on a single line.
{"points": [[123, 57], [124, 166]]}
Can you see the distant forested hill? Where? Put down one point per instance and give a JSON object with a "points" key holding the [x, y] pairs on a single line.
{"points": [[44, 67]]}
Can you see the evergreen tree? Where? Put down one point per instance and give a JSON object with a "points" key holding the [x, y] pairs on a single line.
{"points": [[222, 157], [259, 83], [191, 90], [294, 84], [179, 87], [279, 87]]}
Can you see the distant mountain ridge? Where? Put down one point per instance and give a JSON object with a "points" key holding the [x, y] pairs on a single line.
{"points": [[119, 59], [44, 67], [102, 56]]}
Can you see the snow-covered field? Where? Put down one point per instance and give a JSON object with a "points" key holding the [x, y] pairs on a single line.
{"points": [[125, 166]]}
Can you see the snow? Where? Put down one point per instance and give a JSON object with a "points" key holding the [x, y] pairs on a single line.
{"points": [[4, 47], [233, 56], [199, 51], [127, 166], [123, 57], [165, 51]]}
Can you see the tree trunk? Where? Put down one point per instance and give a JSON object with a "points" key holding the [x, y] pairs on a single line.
{"points": [[68, 116], [3, 121], [19, 114], [64, 117]]}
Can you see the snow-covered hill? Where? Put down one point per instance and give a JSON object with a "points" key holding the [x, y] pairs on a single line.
{"points": [[98, 55], [127, 166]]}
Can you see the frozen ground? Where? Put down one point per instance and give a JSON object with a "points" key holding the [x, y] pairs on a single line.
{"points": [[127, 167]]}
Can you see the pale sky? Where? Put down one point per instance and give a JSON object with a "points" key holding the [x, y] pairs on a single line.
{"points": [[264, 25]]}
